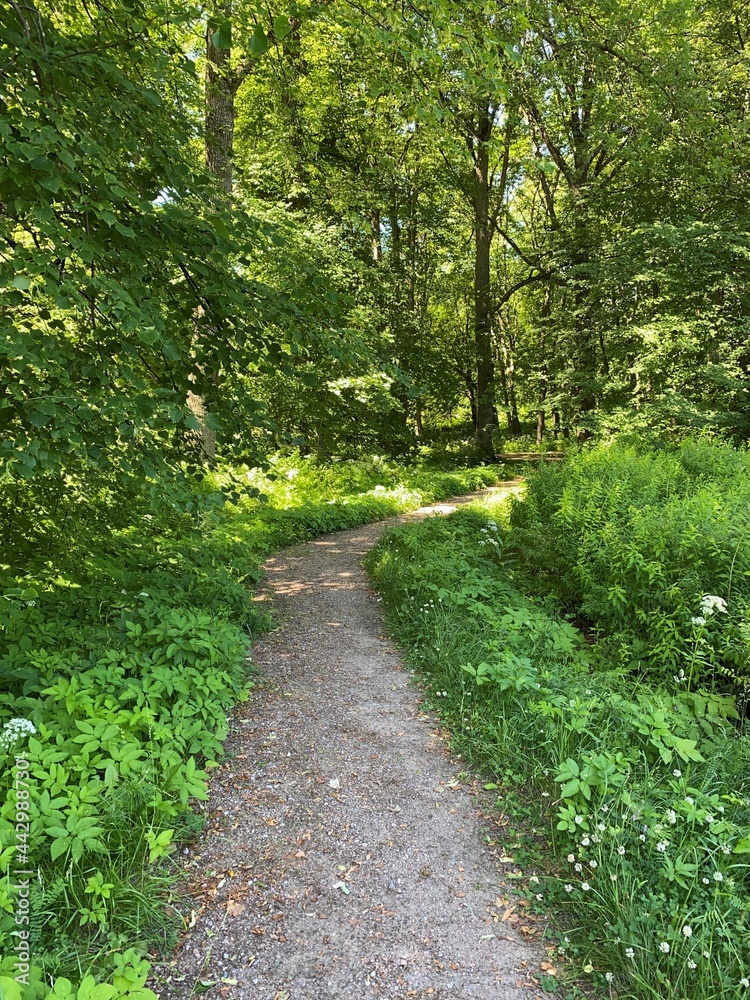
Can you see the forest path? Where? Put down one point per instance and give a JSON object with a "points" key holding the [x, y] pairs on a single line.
{"points": [[343, 857]]}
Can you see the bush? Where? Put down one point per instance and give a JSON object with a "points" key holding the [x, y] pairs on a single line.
{"points": [[631, 542]]}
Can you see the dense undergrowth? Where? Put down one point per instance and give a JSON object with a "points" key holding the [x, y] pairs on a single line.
{"points": [[626, 738], [124, 626]]}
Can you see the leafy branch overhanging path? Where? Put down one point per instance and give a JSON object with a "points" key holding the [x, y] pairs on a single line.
{"points": [[342, 858]]}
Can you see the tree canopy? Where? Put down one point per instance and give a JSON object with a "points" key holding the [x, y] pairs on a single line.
{"points": [[349, 223]]}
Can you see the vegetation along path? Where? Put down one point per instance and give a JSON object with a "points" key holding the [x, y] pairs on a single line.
{"points": [[342, 858]]}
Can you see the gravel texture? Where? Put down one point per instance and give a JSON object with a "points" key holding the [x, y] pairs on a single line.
{"points": [[343, 857]]}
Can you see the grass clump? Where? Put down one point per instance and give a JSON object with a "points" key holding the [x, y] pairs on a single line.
{"points": [[644, 786], [125, 618]]}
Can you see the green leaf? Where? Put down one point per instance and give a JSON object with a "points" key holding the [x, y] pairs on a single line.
{"points": [[281, 27], [222, 37]]}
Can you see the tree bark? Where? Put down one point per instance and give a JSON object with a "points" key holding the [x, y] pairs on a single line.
{"points": [[220, 94], [482, 303]]}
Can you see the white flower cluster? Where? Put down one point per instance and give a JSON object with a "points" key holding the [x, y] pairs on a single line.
{"points": [[14, 729], [710, 604], [491, 535]]}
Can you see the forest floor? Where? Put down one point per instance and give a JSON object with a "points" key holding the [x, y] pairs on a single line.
{"points": [[347, 853]]}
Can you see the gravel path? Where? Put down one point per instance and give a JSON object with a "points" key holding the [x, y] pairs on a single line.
{"points": [[343, 859]]}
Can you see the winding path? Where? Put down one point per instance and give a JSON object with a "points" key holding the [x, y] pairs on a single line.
{"points": [[343, 859]]}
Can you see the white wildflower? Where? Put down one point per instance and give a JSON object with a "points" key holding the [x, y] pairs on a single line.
{"points": [[698, 620], [593, 864], [687, 930], [712, 603], [578, 866], [677, 772], [585, 886], [718, 877], [585, 842], [664, 946], [629, 953], [662, 846], [671, 816], [609, 976], [692, 965], [621, 850], [571, 858], [568, 887], [14, 729]]}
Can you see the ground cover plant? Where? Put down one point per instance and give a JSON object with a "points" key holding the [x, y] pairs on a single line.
{"points": [[643, 777], [123, 644]]}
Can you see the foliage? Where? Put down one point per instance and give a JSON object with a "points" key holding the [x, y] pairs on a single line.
{"points": [[644, 788], [123, 644], [631, 539]]}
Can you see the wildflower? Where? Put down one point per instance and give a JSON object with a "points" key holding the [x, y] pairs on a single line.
{"points": [[605, 808], [585, 886], [595, 838], [712, 603], [539, 896], [662, 846], [677, 772], [578, 820], [745, 982], [534, 880], [689, 800], [15, 728], [609, 976], [612, 878], [571, 858], [705, 881], [692, 965], [601, 827], [687, 930], [698, 620], [629, 953], [706, 954], [664, 946], [709, 817], [545, 795], [642, 837], [593, 864], [588, 968], [718, 877], [621, 849], [671, 816], [568, 887], [585, 842], [578, 866], [726, 849]]}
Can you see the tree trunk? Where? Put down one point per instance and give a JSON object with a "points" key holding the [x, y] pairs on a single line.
{"points": [[482, 304], [220, 94]]}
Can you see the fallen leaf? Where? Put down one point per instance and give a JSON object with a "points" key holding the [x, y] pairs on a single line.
{"points": [[234, 909]]}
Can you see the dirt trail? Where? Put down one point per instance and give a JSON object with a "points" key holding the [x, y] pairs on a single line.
{"points": [[340, 861]]}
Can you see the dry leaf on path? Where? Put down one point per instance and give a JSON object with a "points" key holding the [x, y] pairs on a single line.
{"points": [[234, 909]]}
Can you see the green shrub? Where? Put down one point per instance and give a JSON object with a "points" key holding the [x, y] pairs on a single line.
{"points": [[631, 542]]}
